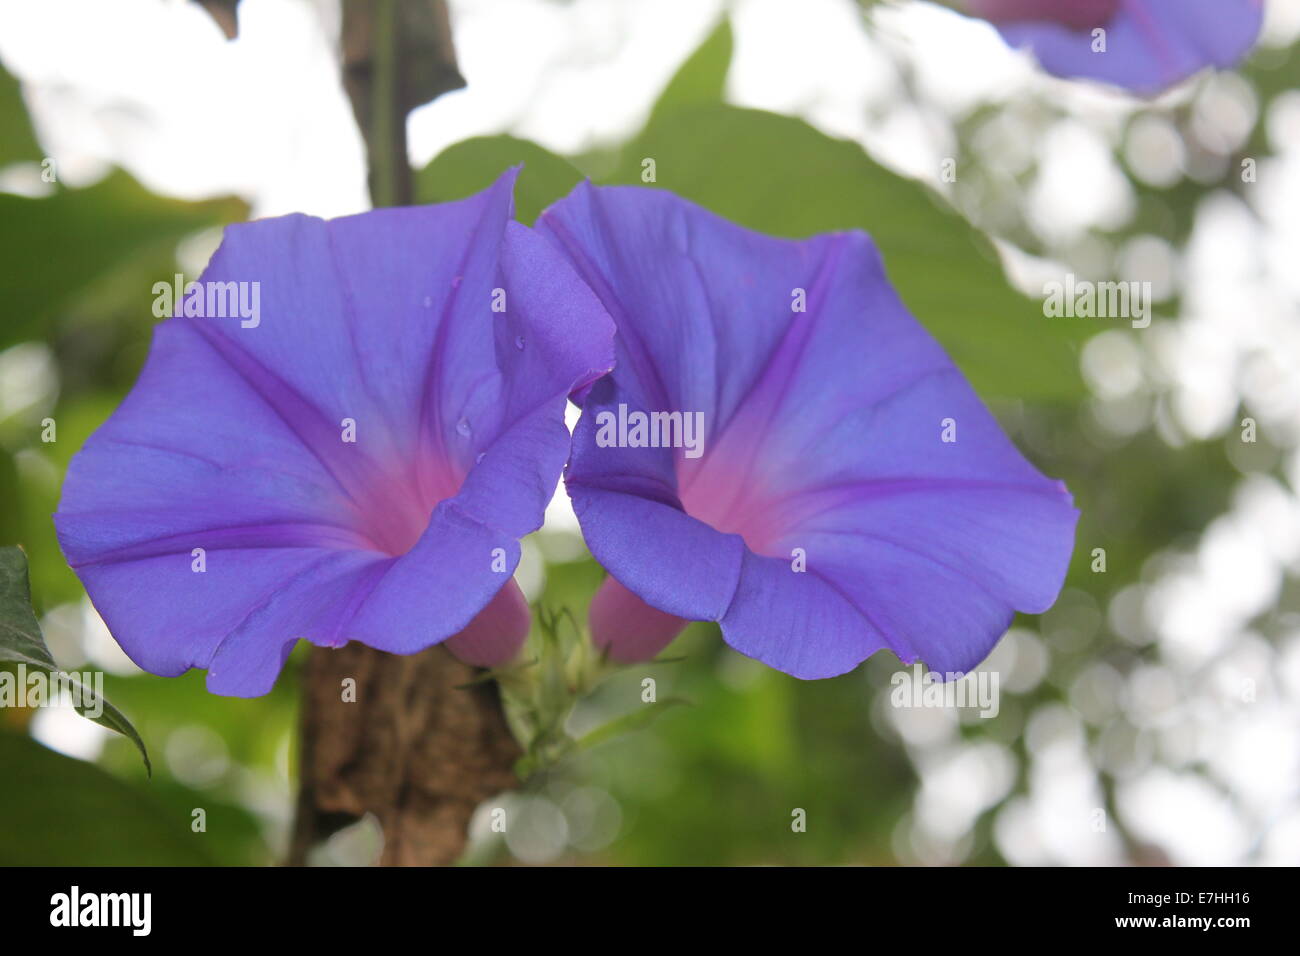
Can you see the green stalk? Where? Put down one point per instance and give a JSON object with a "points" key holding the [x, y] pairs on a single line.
{"points": [[389, 167]]}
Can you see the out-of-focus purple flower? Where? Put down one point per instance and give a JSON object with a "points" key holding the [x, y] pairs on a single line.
{"points": [[846, 492], [1149, 45], [357, 463]]}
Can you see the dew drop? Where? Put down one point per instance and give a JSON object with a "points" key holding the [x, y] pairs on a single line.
{"points": [[428, 301], [479, 457], [519, 342], [462, 427]]}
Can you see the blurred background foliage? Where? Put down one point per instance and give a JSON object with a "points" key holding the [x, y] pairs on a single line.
{"points": [[1099, 701]]}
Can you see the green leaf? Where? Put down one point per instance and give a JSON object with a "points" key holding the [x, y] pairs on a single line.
{"points": [[471, 166], [780, 176], [702, 78], [18, 144], [57, 811], [54, 249], [21, 643], [636, 720]]}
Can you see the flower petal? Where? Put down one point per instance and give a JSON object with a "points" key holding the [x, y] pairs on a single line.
{"points": [[497, 633], [631, 629], [626, 502]]}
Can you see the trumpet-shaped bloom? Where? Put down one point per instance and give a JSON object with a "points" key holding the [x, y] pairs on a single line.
{"points": [[356, 462], [849, 493], [1149, 45]]}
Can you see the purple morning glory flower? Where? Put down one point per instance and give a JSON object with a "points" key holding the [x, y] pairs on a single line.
{"points": [[1149, 44], [354, 462], [833, 485]]}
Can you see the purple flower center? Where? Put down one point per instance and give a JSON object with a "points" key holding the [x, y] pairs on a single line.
{"points": [[730, 502], [393, 508]]}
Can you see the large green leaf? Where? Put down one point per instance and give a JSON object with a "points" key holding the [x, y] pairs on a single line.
{"points": [[778, 175], [56, 811], [473, 165], [54, 249], [17, 141], [701, 79], [21, 643]]}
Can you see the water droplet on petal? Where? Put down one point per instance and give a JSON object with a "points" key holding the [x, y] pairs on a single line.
{"points": [[428, 301], [479, 457], [462, 427], [519, 342]]}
